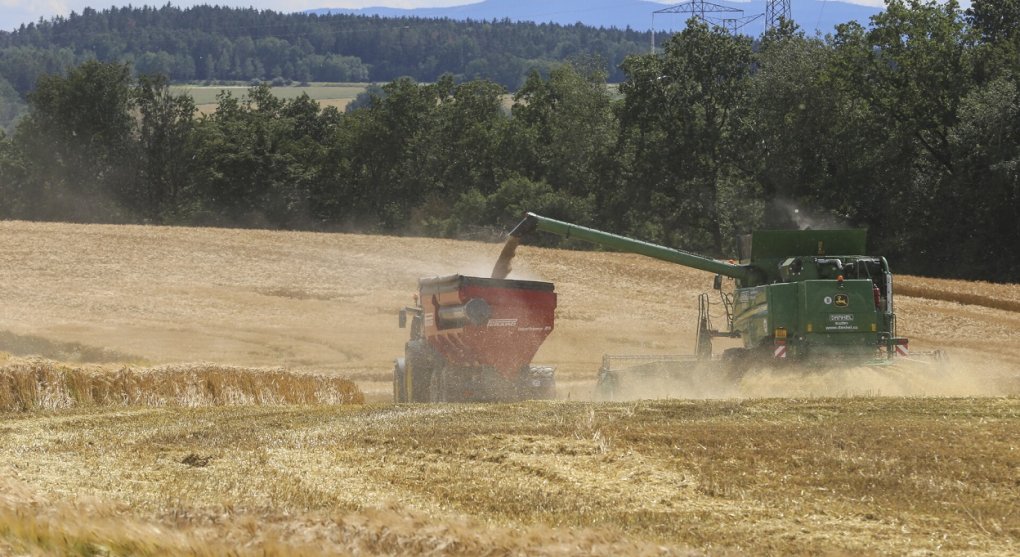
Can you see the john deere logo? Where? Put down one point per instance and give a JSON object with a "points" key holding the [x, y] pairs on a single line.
{"points": [[841, 300]]}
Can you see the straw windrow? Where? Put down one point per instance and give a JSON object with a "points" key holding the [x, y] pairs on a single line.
{"points": [[37, 384]]}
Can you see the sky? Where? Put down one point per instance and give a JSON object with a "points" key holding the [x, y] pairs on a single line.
{"points": [[15, 12]]}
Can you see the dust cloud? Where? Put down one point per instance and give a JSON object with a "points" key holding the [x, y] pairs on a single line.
{"points": [[804, 218], [907, 378]]}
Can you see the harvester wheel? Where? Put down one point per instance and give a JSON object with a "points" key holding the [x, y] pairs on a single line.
{"points": [[736, 362], [734, 354], [608, 383]]}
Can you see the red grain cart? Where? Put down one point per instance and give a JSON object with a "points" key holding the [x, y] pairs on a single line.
{"points": [[473, 338]]}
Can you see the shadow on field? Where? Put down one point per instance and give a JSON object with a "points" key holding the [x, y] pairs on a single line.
{"points": [[29, 345]]}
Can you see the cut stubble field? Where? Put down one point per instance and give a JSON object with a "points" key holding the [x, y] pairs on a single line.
{"points": [[885, 461]]}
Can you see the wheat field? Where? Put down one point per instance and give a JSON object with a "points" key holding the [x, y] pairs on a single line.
{"points": [[185, 391], [337, 95]]}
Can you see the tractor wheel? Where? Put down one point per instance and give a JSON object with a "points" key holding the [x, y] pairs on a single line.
{"points": [[438, 386], [399, 392], [418, 370]]}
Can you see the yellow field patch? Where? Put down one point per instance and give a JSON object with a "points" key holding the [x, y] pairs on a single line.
{"points": [[338, 95]]}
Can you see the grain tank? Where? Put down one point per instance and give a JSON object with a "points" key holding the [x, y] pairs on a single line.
{"points": [[473, 338]]}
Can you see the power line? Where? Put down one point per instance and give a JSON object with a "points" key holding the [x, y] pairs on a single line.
{"points": [[776, 10], [733, 19]]}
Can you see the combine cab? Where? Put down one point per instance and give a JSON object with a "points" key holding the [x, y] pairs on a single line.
{"points": [[473, 338]]}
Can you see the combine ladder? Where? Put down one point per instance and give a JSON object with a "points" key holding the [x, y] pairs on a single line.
{"points": [[703, 344]]}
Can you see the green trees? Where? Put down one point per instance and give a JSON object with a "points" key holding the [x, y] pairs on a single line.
{"points": [[912, 69], [997, 22], [910, 126], [220, 43], [563, 142], [384, 147], [985, 199], [164, 131], [22, 66], [912, 73], [258, 160], [12, 179], [459, 152], [794, 129], [11, 106], [77, 144], [681, 157], [985, 142], [566, 128]]}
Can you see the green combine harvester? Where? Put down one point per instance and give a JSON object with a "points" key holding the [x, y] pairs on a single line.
{"points": [[801, 297]]}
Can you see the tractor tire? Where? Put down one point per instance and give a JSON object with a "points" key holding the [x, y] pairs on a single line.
{"points": [[418, 362], [438, 391], [399, 371]]}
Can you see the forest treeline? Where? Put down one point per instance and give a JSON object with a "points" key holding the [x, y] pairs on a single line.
{"points": [[909, 126], [207, 43]]}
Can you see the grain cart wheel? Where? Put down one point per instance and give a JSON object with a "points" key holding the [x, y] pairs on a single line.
{"points": [[399, 390]]}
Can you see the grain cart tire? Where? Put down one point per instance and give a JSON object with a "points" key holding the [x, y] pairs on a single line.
{"points": [[399, 370]]}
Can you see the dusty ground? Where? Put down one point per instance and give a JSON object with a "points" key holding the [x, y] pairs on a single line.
{"points": [[797, 475]]}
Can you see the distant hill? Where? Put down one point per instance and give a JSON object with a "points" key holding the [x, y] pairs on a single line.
{"points": [[811, 15]]}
